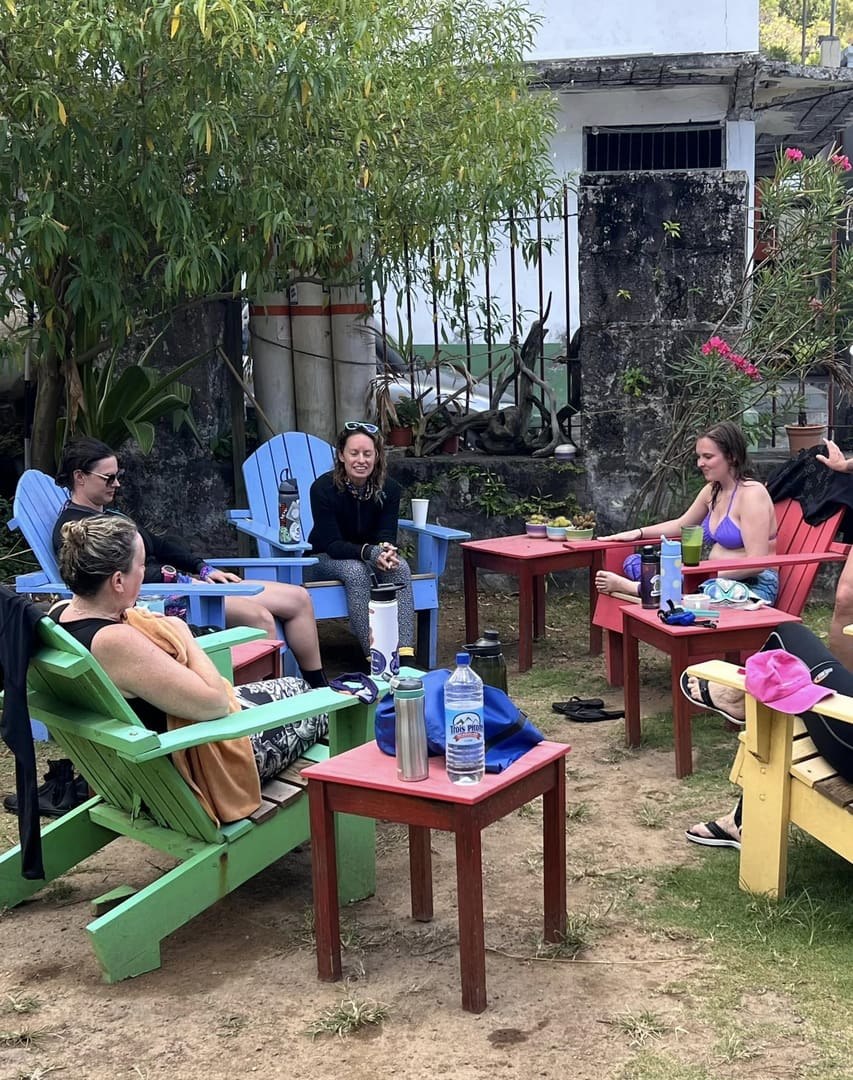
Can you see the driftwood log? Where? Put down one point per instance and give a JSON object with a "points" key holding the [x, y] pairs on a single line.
{"points": [[508, 430]]}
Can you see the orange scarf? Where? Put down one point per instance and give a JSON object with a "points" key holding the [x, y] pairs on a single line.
{"points": [[222, 775]]}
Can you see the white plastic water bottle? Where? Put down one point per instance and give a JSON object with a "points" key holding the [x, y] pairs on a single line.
{"points": [[465, 744]]}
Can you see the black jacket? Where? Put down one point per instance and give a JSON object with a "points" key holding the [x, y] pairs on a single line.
{"points": [[159, 550], [18, 619], [820, 491], [344, 524]]}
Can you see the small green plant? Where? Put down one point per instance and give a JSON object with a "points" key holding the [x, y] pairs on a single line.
{"points": [[17, 1002], [634, 381], [577, 812], [652, 815], [347, 1016], [623, 294], [672, 230], [573, 941], [640, 1027], [26, 1037], [734, 1047]]}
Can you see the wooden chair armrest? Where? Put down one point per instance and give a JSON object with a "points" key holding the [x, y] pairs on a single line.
{"points": [[714, 567], [250, 721], [226, 639], [437, 531], [262, 532], [259, 562]]}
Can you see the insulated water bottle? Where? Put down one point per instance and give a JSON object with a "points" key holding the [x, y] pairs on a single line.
{"points": [[649, 577], [670, 572], [289, 530], [465, 744], [384, 631], [488, 660], [410, 737]]}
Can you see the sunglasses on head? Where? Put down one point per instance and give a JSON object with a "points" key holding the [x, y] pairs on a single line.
{"points": [[361, 425], [110, 479]]}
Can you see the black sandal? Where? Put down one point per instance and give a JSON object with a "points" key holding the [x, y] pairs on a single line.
{"points": [[592, 716], [575, 703]]}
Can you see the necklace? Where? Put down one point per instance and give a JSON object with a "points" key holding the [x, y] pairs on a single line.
{"points": [[87, 613]]}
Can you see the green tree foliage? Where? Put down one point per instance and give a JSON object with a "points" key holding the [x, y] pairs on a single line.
{"points": [[781, 27], [151, 153]]}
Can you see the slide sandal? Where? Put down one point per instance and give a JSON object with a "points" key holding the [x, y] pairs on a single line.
{"points": [[704, 701], [574, 703]]}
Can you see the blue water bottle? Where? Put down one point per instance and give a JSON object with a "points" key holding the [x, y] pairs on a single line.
{"points": [[670, 572]]}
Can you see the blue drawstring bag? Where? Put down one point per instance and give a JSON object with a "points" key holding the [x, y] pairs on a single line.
{"points": [[509, 733]]}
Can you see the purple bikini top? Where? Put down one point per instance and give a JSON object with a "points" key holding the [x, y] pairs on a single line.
{"points": [[728, 535]]}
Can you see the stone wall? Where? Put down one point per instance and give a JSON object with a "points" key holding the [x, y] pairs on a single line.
{"points": [[661, 259]]}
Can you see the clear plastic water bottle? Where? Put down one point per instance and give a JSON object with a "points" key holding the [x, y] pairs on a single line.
{"points": [[465, 745]]}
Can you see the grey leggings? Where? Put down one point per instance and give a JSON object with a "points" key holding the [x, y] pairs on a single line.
{"points": [[355, 576]]}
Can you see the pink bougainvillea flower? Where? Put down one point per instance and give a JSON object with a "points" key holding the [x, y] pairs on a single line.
{"points": [[793, 154], [842, 161]]}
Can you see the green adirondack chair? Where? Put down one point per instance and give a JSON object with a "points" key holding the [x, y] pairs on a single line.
{"points": [[142, 795]]}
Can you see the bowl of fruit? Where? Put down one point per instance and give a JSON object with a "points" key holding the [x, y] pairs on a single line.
{"points": [[537, 526], [557, 528], [581, 526]]}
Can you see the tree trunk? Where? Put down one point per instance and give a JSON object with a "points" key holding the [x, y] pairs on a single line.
{"points": [[46, 412]]}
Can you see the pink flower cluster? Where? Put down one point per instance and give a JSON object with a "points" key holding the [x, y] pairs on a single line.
{"points": [[793, 154], [842, 161], [724, 350]]}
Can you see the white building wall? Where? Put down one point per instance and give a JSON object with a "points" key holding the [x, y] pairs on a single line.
{"points": [[574, 28], [578, 111]]}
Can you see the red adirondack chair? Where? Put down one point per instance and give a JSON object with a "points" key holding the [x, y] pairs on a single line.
{"points": [[800, 551]]}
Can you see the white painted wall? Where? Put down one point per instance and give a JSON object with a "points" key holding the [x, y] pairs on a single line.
{"points": [[606, 108], [574, 28]]}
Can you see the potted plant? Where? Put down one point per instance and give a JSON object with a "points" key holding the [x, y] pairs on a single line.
{"points": [[439, 421], [406, 414]]}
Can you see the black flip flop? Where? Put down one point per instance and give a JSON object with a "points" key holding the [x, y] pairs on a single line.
{"points": [[592, 716], [574, 703], [705, 700], [718, 838]]}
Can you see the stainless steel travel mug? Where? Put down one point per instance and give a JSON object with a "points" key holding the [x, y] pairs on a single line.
{"points": [[410, 730]]}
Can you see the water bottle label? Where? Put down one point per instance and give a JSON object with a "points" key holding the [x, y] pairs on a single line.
{"points": [[464, 729], [656, 585]]}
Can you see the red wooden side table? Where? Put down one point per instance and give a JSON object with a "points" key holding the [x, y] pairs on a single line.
{"points": [[529, 560], [364, 781], [737, 631]]}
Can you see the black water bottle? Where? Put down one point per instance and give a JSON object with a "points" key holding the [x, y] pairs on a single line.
{"points": [[288, 509], [649, 577], [488, 660]]}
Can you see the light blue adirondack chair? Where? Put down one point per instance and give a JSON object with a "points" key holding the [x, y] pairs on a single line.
{"points": [[306, 457], [38, 502]]}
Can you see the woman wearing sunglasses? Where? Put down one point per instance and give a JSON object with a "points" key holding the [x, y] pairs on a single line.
{"points": [[355, 508], [736, 514], [89, 471]]}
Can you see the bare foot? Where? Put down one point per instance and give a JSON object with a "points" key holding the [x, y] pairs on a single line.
{"points": [[607, 582], [723, 698]]}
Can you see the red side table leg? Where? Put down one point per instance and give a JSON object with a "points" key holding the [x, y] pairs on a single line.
{"points": [[324, 871], [681, 724], [469, 889], [420, 872], [525, 619], [631, 666], [554, 852], [469, 586]]}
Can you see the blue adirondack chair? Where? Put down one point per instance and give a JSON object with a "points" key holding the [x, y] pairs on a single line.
{"points": [[306, 457]]}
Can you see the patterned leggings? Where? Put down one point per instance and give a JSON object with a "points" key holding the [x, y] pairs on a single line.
{"points": [[355, 576], [276, 749]]}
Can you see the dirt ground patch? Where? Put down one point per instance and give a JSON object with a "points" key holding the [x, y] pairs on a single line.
{"points": [[238, 988]]}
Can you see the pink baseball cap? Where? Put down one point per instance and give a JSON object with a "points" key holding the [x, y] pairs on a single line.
{"points": [[782, 681]]}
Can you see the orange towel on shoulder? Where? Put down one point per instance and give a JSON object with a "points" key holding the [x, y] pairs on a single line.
{"points": [[222, 775]]}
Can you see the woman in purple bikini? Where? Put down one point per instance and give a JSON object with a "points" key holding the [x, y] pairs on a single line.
{"points": [[735, 512]]}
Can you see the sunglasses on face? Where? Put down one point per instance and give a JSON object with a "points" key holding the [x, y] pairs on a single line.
{"points": [[361, 425], [110, 479]]}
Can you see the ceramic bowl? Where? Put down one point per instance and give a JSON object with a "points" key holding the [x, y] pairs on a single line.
{"points": [[537, 529], [555, 532], [579, 534], [566, 452]]}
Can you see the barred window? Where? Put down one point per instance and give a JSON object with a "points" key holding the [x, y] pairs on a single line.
{"points": [[670, 148]]}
